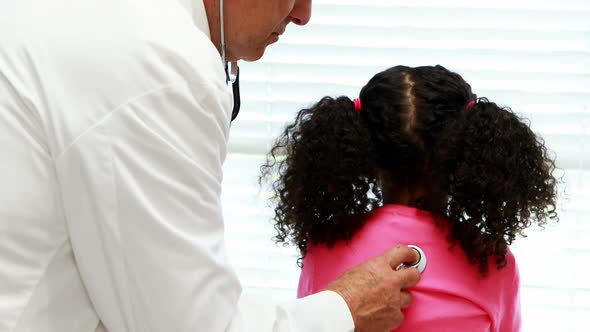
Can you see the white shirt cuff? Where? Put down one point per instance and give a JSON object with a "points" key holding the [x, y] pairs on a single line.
{"points": [[323, 311]]}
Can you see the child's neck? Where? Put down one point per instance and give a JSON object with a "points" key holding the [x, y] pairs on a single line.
{"points": [[405, 197], [398, 200]]}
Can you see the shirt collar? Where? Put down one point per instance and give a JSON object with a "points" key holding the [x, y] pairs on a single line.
{"points": [[196, 8]]}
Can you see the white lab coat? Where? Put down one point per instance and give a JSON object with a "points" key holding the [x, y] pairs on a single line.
{"points": [[114, 120]]}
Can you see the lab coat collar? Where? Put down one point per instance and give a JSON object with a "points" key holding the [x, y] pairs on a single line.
{"points": [[196, 9]]}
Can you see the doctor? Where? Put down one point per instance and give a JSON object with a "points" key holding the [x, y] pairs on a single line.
{"points": [[114, 120]]}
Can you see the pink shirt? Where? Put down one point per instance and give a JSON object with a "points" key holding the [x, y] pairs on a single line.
{"points": [[451, 295]]}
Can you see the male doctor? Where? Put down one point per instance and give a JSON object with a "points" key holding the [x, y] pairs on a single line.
{"points": [[114, 120]]}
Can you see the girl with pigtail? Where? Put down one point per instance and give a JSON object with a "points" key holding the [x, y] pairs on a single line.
{"points": [[418, 159]]}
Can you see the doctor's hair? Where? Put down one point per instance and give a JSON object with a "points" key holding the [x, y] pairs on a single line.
{"points": [[485, 172]]}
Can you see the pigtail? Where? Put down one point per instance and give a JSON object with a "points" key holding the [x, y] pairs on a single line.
{"points": [[322, 171], [498, 177]]}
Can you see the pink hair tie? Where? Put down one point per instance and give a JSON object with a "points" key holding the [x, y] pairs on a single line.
{"points": [[357, 104], [470, 104]]}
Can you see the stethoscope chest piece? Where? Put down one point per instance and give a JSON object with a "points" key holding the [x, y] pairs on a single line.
{"points": [[420, 264]]}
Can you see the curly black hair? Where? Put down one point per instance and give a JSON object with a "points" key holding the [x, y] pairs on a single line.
{"points": [[485, 171]]}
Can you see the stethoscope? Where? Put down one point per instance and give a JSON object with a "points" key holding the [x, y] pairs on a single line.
{"points": [[232, 71]]}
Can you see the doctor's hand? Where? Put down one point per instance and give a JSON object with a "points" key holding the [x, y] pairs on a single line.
{"points": [[375, 292]]}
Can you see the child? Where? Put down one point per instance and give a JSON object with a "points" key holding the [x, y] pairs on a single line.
{"points": [[417, 159]]}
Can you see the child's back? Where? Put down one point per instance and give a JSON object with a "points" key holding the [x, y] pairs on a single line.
{"points": [[451, 295], [416, 137]]}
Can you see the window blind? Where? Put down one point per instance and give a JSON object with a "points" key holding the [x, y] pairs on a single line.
{"points": [[533, 56]]}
